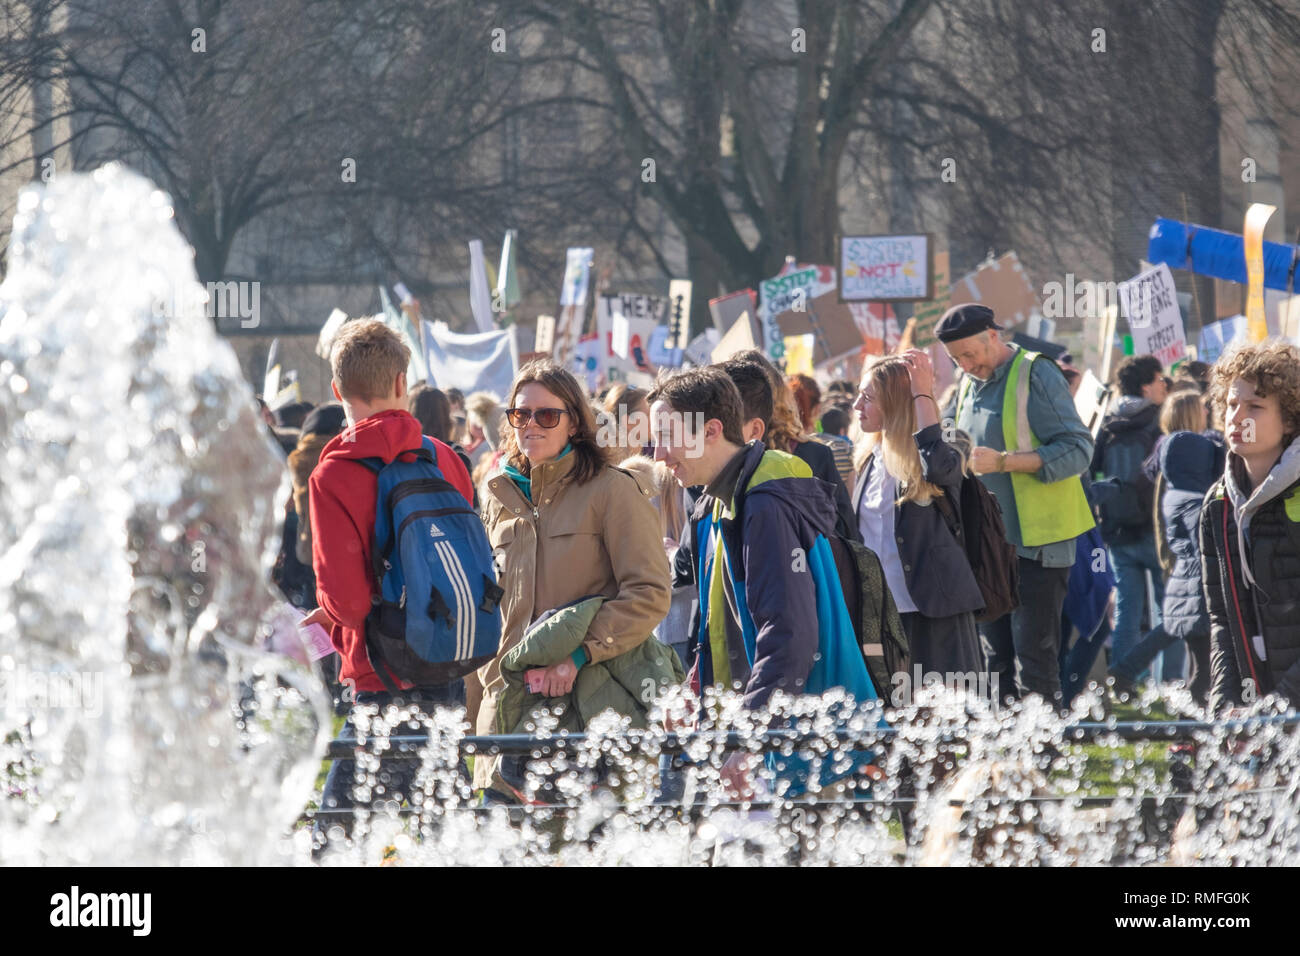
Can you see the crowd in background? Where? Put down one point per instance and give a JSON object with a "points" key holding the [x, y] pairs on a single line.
{"points": [[1165, 547]]}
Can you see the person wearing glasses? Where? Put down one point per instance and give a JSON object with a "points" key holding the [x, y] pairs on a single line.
{"points": [[565, 524]]}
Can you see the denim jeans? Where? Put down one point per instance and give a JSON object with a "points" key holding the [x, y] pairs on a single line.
{"points": [[395, 775], [1131, 563]]}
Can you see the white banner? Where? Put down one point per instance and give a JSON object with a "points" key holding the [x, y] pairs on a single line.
{"points": [[471, 362]]}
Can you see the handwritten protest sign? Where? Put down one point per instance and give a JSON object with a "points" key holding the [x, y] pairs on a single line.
{"points": [[884, 268], [1150, 303]]}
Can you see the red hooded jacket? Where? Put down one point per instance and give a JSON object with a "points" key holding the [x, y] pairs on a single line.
{"points": [[342, 504]]}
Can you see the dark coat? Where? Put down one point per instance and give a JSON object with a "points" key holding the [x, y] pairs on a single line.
{"points": [[1189, 463], [1271, 608], [939, 576], [822, 462], [1126, 506], [777, 516]]}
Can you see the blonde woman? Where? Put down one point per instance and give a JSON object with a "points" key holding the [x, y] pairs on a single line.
{"points": [[909, 469]]}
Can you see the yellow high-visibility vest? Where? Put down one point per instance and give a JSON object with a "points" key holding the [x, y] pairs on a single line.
{"points": [[1047, 511]]}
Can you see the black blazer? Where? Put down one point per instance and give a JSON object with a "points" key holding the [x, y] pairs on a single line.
{"points": [[938, 575]]}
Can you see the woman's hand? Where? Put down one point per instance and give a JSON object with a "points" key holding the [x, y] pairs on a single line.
{"points": [[920, 370], [557, 680]]}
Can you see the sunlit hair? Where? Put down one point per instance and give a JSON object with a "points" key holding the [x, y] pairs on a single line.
{"points": [[1183, 411], [888, 378], [366, 358], [786, 431], [1273, 368], [589, 457], [807, 395]]}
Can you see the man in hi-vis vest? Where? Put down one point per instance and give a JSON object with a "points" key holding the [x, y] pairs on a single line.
{"points": [[1030, 448]]}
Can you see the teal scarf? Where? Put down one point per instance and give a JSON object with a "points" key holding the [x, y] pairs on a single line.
{"points": [[523, 481]]}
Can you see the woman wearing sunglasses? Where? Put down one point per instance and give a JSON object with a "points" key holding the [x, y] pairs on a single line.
{"points": [[564, 525]]}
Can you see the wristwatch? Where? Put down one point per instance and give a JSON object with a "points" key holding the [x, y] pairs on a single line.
{"points": [[1002, 461]]}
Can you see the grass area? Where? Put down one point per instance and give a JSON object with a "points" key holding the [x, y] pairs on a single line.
{"points": [[1112, 770]]}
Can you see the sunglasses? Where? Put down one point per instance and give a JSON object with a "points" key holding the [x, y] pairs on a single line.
{"points": [[545, 417]]}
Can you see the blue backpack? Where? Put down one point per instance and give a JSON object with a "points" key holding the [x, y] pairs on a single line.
{"points": [[436, 617]]}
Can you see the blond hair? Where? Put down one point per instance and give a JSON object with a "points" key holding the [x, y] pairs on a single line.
{"points": [[365, 360], [1183, 411], [890, 381]]}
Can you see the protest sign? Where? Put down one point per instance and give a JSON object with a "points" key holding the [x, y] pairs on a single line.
{"points": [[929, 312], [507, 288], [1150, 304], [830, 322], [1090, 401], [473, 361], [271, 378], [1253, 237], [545, 339], [884, 268], [330, 329], [1217, 337], [879, 329], [585, 360], [799, 355], [726, 309], [577, 275], [738, 338], [573, 298], [791, 290], [660, 355], [679, 312], [700, 351], [624, 324], [1002, 285]]}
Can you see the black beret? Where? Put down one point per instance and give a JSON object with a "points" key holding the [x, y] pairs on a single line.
{"points": [[963, 321]]}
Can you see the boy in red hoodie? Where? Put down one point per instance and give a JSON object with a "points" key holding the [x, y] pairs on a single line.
{"points": [[369, 362]]}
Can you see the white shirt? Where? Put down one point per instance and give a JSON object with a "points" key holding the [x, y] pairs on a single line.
{"points": [[876, 522]]}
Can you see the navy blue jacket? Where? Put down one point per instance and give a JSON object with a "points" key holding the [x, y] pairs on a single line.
{"points": [[1189, 463], [772, 524]]}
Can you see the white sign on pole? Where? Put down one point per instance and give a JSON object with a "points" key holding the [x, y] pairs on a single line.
{"points": [[622, 334], [1150, 304], [545, 338]]}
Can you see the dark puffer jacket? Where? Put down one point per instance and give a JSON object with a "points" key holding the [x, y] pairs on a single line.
{"points": [[1252, 583], [1189, 464]]}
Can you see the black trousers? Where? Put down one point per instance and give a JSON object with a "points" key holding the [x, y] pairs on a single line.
{"points": [[1023, 647]]}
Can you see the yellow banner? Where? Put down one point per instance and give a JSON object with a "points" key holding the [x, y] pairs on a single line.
{"points": [[1253, 233], [799, 354]]}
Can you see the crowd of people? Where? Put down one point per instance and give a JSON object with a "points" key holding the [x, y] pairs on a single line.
{"points": [[716, 525]]}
